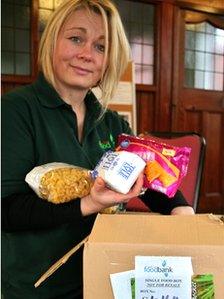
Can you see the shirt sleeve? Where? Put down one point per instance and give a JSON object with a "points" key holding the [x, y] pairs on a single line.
{"points": [[126, 127], [160, 203], [21, 207], [18, 145], [28, 212]]}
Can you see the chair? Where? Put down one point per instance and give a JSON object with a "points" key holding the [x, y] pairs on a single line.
{"points": [[191, 183]]}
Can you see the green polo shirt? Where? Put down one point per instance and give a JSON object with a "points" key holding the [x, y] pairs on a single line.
{"points": [[38, 127]]}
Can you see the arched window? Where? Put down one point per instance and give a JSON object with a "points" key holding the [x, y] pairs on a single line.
{"points": [[204, 55]]}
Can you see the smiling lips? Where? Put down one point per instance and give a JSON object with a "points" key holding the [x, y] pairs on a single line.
{"points": [[81, 71]]}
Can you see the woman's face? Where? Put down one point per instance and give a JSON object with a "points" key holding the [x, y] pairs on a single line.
{"points": [[79, 53]]}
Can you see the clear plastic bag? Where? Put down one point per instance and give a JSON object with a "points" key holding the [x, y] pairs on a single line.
{"points": [[59, 182]]}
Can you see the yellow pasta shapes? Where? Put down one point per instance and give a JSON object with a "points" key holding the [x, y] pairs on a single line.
{"points": [[59, 182]]}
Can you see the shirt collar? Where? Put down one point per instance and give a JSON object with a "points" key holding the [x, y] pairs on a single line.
{"points": [[46, 94], [49, 97]]}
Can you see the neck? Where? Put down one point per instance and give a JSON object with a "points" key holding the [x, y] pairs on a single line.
{"points": [[73, 96]]}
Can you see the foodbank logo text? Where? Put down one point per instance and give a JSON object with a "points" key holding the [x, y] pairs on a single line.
{"points": [[157, 269]]}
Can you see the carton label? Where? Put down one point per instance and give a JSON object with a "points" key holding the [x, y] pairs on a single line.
{"points": [[163, 277]]}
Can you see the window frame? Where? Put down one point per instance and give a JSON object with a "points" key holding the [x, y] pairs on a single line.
{"points": [[34, 43]]}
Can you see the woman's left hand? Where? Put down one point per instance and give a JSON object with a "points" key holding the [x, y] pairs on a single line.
{"points": [[183, 210]]}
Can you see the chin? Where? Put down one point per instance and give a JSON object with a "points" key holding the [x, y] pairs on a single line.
{"points": [[82, 84]]}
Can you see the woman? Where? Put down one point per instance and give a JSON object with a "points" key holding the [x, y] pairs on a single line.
{"points": [[58, 119]]}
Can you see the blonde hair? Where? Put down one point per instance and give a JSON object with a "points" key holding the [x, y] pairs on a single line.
{"points": [[117, 51]]}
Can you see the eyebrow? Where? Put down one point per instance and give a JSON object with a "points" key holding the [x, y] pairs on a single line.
{"points": [[79, 28], [83, 30]]}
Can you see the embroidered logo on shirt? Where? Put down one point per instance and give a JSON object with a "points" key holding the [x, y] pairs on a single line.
{"points": [[107, 144]]}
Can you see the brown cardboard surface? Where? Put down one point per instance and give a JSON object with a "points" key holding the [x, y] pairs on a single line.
{"points": [[116, 240]]}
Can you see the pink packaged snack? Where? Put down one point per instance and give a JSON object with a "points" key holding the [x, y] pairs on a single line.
{"points": [[166, 165]]}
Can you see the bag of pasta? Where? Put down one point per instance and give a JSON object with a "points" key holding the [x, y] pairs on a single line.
{"points": [[166, 165], [59, 182]]}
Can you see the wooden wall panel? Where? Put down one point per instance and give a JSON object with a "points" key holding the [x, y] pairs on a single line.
{"points": [[145, 111], [8, 86], [164, 72], [214, 148], [193, 121], [212, 189]]}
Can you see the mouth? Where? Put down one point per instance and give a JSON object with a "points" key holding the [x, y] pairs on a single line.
{"points": [[81, 71]]}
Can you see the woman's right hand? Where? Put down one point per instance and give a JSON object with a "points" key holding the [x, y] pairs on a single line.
{"points": [[102, 197]]}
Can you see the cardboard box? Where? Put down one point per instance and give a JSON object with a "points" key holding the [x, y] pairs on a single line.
{"points": [[116, 239]]}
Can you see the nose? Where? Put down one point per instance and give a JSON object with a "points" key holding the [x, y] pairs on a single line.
{"points": [[85, 53]]}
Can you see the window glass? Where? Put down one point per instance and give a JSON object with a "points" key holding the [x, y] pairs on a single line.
{"points": [[22, 64], [15, 38], [6, 14], [7, 39], [46, 7], [49, 4], [22, 41], [44, 14], [147, 74], [7, 63], [204, 52], [138, 20], [22, 16]]}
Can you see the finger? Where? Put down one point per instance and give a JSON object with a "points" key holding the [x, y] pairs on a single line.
{"points": [[138, 184], [99, 184], [135, 190]]}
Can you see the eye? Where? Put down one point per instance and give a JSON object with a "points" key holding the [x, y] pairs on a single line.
{"points": [[76, 39], [100, 48]]}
